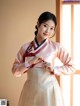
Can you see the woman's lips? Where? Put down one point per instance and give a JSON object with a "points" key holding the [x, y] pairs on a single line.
{"points": [[45, 34]]}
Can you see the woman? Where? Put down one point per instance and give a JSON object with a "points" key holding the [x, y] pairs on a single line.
{"points": [[36, 58]]}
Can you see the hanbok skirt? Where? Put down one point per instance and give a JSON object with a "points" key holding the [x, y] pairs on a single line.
{"points": [[40, 89]]}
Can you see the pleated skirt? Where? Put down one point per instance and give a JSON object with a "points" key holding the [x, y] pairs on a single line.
{"points": [[40, 89]]}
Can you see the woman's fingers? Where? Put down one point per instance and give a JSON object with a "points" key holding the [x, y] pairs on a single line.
{"points": [[38, 59], [47, 66]]}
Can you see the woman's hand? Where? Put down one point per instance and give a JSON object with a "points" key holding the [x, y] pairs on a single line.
{"points": [[48, 67], [35, 60]]}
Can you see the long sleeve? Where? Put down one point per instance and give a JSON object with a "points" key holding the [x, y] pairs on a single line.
{"points": [[68, 66], [19, 65]]}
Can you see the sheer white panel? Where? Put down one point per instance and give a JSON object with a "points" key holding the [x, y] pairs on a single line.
{"points": [[77, 36], [66, 42], [76, 90], [76, 80], [66, 27]]}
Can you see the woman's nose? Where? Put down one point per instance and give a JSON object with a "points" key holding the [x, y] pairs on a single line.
{"points": [[47, 30]]}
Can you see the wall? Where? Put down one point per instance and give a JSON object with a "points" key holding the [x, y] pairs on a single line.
{"points": [[17, 26]]}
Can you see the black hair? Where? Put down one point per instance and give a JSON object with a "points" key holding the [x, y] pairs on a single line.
{"points": [[45, 16]]}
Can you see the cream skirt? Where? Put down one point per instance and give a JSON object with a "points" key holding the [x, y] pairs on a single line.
{"points": [[40, 89]]}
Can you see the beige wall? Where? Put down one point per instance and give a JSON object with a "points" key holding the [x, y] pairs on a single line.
{"points": [[18, 19]]}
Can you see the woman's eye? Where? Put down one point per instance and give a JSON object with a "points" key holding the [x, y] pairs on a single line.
{"points": [[51, 28], [45, 25]]}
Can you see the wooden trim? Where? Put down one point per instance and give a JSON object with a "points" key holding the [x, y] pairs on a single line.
{"points": [[58, 15], [72, 30], [71, 90], [72, 33], [77, 72], [71, 2]]}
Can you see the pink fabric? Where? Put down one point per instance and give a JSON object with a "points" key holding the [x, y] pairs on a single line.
{"points": [[49, 50]]}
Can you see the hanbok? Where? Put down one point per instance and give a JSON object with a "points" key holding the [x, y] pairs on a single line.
{"points": [[41, 87]]}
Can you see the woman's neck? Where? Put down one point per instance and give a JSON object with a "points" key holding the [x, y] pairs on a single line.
{"points": [[39, 40]]}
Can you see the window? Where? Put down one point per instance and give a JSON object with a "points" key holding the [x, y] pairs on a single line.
{"points": [[68, 15]]}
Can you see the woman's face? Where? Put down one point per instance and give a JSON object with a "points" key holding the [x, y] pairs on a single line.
{"points": [[46, 30]]}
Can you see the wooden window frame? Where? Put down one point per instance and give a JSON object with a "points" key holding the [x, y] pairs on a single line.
{"points": [[59, 4]]}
